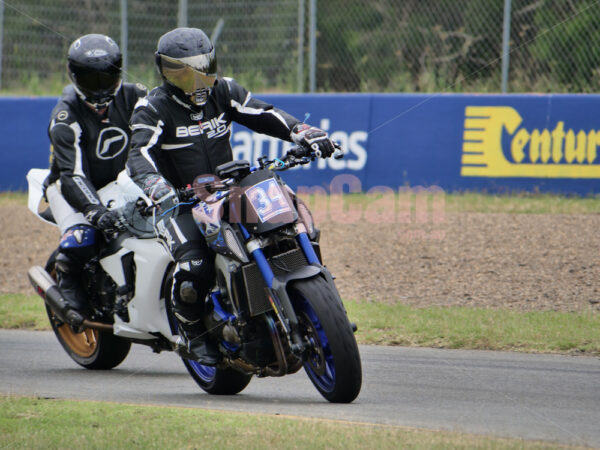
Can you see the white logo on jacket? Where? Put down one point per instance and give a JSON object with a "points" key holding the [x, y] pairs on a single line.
{"points": [[111, 142]]}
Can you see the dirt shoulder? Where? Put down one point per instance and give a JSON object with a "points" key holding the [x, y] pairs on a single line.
{"points": [[515, 261]]}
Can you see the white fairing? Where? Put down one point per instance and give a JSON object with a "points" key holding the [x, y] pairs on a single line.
{"points": [[147, 311], [119, 192], [35, 181]]}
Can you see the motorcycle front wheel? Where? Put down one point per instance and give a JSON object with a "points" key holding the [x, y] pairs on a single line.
{"points": [[333, 361], [92, 349]]}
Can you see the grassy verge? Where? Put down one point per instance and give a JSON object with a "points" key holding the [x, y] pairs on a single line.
{"points": [[476, 328], [26, 312], [13, 198], [30, 423], [383, 324], [521, 203]]}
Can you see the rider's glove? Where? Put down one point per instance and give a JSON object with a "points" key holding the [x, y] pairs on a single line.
{"points": [[110, 222], [157, 189], [313, 138]]}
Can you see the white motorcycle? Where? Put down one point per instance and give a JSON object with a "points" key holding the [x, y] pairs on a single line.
{"points": [[274, 307]]}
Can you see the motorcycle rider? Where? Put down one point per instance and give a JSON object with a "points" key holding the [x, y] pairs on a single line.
{"points": [[89, 134], [182, 130]]}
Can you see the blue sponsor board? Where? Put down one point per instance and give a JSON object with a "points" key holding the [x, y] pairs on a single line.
{"points": [[497, 143], [24, 138]]}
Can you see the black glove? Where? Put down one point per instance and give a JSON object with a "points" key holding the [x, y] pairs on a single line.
{"points": [[313, 138], [157, 189], [110, 222]]}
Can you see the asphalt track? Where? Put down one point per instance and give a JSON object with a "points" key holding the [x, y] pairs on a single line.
{"points": [[548, 397]]}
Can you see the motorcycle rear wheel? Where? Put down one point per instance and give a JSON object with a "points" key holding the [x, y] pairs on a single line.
{"points": [[92, 349], [333, 365]]}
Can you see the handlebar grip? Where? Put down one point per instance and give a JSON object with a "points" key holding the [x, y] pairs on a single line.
{"points": [[298, 152]]}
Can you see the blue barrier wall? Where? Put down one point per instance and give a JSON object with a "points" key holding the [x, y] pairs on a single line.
{"points": [[496, 143]]}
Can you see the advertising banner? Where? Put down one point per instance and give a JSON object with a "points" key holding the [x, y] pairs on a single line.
{"points": [[457, 142]]}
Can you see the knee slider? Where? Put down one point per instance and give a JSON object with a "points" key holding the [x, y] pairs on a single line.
{"points": [[76, 248], [192, 280], [188, 292], [78, 236]]}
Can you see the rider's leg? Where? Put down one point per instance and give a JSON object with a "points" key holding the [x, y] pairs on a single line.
{"points": [[77, 246], [192, 280]]}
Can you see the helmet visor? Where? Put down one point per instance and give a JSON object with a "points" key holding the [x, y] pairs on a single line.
{"points": [[97, 86], [191, 73]]}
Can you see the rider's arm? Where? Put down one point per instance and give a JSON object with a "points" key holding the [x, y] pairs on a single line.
{"points": [[146, 131], [253, 113], [69, 158]]}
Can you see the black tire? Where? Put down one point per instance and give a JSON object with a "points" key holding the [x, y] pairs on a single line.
{"points": [[92, 349], [215, 381], [333, 365]]}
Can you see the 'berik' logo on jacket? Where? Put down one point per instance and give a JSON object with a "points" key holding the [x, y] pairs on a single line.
{"points": [[213, 128]]}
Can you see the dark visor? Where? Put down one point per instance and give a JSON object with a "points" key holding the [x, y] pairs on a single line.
{"points": [[97, 85], [191, 73]]}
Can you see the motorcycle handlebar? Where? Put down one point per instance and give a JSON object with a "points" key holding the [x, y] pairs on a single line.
{"points": [[303, 152]]}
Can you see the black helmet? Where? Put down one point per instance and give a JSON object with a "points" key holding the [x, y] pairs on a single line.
{"points": [[94, 66], [185, 58]]}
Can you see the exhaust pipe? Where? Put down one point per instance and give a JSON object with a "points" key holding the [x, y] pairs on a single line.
{"points": [[45, 286]]}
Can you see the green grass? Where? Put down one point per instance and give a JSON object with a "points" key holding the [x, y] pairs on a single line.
{"points": [[19, 311], [383, 324], [476, 328], [518, 203], [13, 198], [39, 423], [521, 203]]}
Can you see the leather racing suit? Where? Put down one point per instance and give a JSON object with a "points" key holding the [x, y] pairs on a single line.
{"points": [[88, 151], [180, 141]]}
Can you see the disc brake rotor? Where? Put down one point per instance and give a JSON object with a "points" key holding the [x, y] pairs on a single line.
{"points": [[316, 357]]}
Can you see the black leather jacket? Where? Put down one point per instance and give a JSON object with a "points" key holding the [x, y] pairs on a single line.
{"points": [[181, 141], [88, 151]]}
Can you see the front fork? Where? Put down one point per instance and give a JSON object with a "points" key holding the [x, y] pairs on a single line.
{"points": [[278, 296]]}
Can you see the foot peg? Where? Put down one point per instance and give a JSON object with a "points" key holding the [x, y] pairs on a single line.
{"points": [[74, 319]]}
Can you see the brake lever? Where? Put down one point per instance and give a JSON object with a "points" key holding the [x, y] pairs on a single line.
{"points": [[147, 211], [338, 152]]}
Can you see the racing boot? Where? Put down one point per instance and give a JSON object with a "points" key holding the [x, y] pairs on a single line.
{"points": [[69, 286], [77, 247], [194, 342]]}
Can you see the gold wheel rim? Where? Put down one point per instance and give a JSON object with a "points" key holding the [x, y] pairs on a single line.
{"points": [[83, 344]]}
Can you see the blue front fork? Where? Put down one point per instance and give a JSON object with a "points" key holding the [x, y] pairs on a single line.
{"points": [[265, 268], [287, 316]]}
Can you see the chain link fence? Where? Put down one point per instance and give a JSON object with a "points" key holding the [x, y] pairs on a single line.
{"points": [[257, 41], [326, 46]]}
